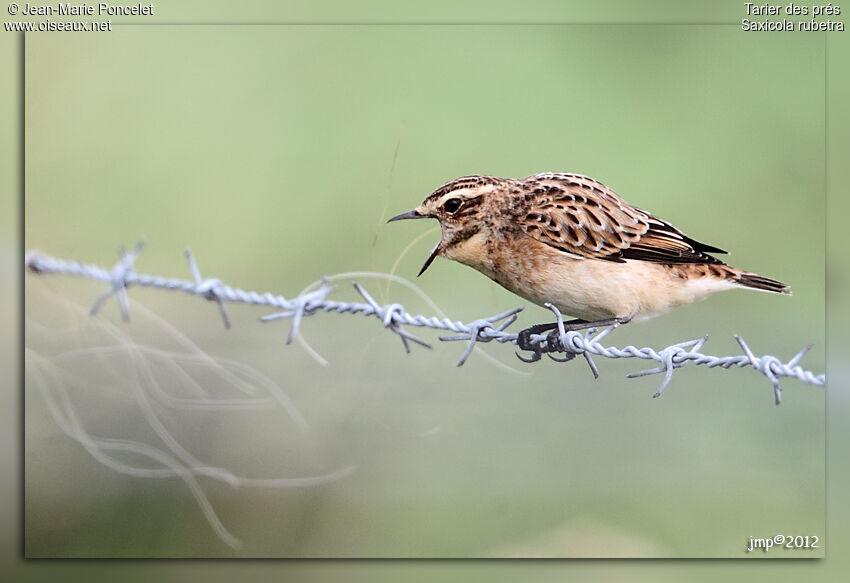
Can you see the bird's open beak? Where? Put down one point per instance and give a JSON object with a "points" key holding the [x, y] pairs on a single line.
{"points": [[414, 214]]}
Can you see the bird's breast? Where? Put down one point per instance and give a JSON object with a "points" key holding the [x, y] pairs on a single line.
{"points": [[474, 251]]}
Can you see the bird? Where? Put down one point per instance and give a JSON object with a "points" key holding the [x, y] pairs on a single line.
{"points": [[570, 241]]}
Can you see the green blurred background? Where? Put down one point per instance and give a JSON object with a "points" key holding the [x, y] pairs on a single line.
{"points": [[276, 153], [545, 464]]}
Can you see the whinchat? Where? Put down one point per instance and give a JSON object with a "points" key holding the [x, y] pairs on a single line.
{"points": [[569, 240]]}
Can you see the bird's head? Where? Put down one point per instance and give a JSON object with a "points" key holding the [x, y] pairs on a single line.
{"points": [[459, 206]]}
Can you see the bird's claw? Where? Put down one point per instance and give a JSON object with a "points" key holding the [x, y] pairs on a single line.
{"points": [[537, 349]]}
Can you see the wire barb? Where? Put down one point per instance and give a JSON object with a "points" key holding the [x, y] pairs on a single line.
{"points": [[479, 331], [395, 318], [390, 316], [304, 305], [120, 278], [207, 287]]}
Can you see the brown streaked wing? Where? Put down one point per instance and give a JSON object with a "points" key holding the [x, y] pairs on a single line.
{"points": [[584, 218]]}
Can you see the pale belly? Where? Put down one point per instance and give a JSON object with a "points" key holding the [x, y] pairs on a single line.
{"points": [[593, 289], [590, 289]]}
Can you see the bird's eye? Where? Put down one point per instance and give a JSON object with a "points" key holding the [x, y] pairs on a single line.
{"points": [[452, 205]]}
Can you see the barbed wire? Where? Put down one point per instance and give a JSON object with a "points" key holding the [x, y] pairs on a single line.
{"points": [[395, 318]]}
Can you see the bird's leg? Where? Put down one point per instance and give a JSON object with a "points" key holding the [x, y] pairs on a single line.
{"points": [[553, 343]]}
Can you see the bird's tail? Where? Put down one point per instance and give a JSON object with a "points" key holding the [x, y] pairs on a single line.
{"points": [[759, 282]]}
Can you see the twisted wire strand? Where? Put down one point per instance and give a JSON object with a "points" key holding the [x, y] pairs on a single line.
{"points": [[395, 318]]}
